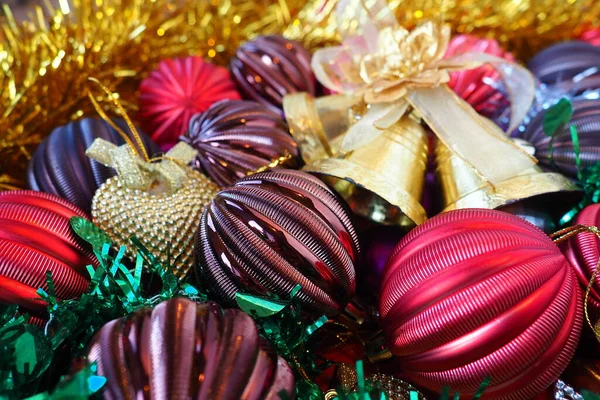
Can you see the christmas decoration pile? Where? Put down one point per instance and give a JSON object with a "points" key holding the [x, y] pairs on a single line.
{"points": [[329, 200]]}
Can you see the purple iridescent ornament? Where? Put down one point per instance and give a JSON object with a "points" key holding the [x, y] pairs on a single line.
{"points": [[184, 350], [235, 137], [269, 67], [274, 230], [59, 165], [558, 153]]}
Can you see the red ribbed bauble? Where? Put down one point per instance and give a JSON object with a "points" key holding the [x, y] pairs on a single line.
{"points": [[479, 293], [184, 350], [583, 253], [481, 87], [35, 237], [178, 89]]}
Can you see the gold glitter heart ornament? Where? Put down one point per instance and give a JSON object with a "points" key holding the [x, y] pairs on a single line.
{"points": [[164, 222]]}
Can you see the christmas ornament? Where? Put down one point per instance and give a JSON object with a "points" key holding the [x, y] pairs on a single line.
{"points": [[583, 254], [540, 197], [521, 26], [35, 238], [178, 89], [78, 179], [481, 87], [572, 65], [269, 67], [557, 151], [378, 189], [46, 65], [159, 200], [273, 230], [234, 138], [480, 293], [591, 36], [378, 244], [181, 349]]}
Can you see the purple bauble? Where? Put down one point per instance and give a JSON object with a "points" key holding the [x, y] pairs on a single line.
{"points": [[184, 350], [274, 230], [586, 118], [235, 137], [59, 165], [562, 62], [379, 244], [269, 67]]}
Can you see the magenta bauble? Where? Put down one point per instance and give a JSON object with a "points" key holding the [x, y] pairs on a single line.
{"points": [[477, 293]]}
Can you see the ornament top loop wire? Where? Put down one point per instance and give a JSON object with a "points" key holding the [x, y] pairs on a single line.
{"points": [[561, 236]]}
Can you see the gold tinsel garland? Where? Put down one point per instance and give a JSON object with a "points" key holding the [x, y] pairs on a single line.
{"points": [[46, 60], [523, 26]]}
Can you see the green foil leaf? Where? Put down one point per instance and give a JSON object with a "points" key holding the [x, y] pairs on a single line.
{"points": [[557, 116]]}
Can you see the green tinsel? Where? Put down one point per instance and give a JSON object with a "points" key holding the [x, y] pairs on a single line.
{"points": [[33, 359]]}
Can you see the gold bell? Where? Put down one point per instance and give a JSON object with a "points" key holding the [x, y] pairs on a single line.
{"points": [[533, 189], [383, 180]]}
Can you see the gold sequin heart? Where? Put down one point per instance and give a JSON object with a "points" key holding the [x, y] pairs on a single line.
{"points": [[164, 222]]}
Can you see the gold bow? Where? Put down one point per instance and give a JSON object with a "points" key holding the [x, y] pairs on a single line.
{"points": [[391, 69], [140, 174], [132, 163]]}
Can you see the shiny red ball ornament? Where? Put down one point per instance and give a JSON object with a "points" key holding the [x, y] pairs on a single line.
{"points": [[35, 237], [184, 350], [178, 89], [272, 231], [481, 87], [583, 253], [479, 293], [591, 36]]}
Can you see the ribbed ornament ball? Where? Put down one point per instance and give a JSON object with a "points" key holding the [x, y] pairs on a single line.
{"points": [[481, 87], [36, 237], [269, 67], [236, 137], [183, 350], [479, 293], [583, 253], [273, 230], [59, 164], [558, 152], [177, 89]]}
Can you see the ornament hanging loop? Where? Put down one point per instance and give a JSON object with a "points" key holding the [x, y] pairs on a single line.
{"points": [[561, 236]]}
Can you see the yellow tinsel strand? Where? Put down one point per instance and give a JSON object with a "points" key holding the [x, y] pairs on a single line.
{"points": [[46, 61], [523, 26]]}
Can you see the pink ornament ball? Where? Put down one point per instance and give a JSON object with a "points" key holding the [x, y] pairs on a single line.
{"points": [[178, 89], [479, 293]]}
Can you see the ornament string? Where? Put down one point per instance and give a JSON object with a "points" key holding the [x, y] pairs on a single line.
{"points": [[132, 161], [561, 236], [141, 150]]}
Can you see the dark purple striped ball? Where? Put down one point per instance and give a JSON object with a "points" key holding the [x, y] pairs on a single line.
{"points": [[184, 350], [235, 137], [269, 67], [59, 165], [272, 231]]}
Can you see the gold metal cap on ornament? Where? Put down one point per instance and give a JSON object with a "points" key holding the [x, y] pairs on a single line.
{"points": [[462, 187], [318, 125], [383, 180]]}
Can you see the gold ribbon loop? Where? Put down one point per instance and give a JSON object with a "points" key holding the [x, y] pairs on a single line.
{"points": [[140, 174]]}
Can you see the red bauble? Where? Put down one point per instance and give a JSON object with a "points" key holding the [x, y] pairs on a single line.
{"points": [[475, 293], [583, 252], [591, 36], [178, 89], [184, 350], [480, 87], [35, 237]]}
